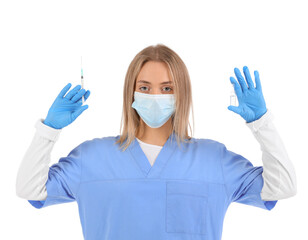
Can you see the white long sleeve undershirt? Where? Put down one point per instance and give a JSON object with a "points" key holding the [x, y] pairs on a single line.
{"points": [[278, 171]]}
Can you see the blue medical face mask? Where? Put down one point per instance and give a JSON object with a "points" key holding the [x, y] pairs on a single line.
{"points": [[154, 109]]}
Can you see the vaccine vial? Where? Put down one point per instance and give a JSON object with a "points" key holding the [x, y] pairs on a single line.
{"points": [[233, 97]]}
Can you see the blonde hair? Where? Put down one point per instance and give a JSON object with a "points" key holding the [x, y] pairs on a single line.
{"points": [[182, 93]]}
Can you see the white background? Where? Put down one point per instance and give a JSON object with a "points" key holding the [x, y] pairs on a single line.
{"points": [[41, 45]]}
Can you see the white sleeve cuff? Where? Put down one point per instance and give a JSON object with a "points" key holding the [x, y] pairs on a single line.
{"points": [[46, 131], [255, 125]]}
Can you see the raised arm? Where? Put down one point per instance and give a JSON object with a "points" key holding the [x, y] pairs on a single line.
{"points": [[33, 171], [278, 171]]}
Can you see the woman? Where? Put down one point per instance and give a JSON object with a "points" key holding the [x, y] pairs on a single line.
{"points": [[154, 181]]}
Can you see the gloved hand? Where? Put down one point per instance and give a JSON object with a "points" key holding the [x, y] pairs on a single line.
{"points": [[251, 101], [65, 110]]}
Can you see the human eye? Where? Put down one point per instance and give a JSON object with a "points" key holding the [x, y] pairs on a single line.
{"points": [[170, 89], [142, 87]]}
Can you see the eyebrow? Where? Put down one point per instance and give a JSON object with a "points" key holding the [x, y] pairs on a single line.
{"points": [[143, 81]]}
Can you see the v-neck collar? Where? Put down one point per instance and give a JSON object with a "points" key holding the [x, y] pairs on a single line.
{"points": [[161, 160]]}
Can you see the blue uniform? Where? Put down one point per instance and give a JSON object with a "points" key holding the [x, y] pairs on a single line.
{"points": [[184, 195]]}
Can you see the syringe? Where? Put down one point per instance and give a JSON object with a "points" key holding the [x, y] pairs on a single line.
{"points": [[82, 83]]}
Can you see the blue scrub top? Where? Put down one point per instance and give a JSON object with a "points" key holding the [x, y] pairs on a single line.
{"points": [[184, 195]]}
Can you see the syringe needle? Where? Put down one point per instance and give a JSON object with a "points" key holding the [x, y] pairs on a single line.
{"points": [[82, 83]]}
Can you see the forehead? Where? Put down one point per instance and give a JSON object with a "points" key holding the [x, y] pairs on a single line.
{"points": [[154, 72]]}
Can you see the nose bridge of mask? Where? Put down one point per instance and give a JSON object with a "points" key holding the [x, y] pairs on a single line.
{"points": [[149, 100]]}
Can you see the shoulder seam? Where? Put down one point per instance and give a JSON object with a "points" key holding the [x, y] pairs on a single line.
{"points": [[222, 171], [80, 177]]}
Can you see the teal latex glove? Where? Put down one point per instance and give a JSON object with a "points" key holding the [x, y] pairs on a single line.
{"points": [[65, 110], [251, 101]]}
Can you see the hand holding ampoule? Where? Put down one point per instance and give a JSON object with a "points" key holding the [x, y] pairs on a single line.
{"points": [[251, 101]]}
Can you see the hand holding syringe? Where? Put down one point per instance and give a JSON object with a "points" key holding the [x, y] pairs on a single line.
{"points": [[65, 109]]}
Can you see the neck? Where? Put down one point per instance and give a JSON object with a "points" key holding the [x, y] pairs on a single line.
{"points": [[156, 136]]}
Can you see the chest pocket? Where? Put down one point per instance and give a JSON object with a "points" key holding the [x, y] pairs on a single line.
{"points": [[186, 207]]}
